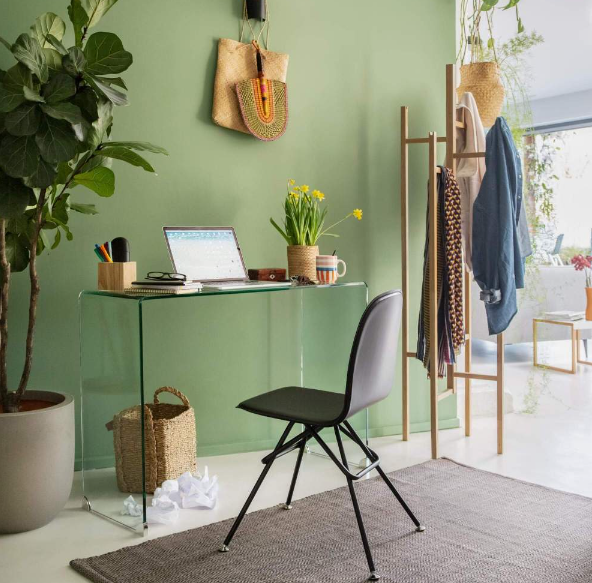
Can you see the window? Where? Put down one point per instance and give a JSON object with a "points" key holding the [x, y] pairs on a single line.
{"points": [[559, 184]]}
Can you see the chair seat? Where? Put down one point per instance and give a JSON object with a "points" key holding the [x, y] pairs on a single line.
{"points": [[298, 404]]}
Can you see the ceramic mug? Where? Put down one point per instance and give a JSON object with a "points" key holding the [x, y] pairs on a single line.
{"points": [[327, 268]]}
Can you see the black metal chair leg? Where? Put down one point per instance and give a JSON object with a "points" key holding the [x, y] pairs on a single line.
{"points": [[224, 548], [352, 493], [418, 526], [288, 504], [354, 436]]}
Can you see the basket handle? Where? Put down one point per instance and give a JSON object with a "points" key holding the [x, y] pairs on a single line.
{"points": [[173, 391]]}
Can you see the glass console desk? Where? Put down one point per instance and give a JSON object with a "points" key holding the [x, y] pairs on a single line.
{"points": [[218, 348]]}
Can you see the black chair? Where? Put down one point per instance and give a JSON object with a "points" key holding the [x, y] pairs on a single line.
{"points": [[370, 378]]}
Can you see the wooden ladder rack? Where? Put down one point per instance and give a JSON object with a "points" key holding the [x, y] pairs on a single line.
{"points": [[452, 123]]}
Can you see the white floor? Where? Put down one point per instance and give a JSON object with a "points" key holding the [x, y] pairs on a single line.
{"points": [[548, 441]]}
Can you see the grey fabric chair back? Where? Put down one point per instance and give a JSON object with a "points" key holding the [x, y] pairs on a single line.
{"points": [[372, 363]]}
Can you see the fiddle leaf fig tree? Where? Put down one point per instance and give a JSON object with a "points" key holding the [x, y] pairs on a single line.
{"points": [[56, 116]]}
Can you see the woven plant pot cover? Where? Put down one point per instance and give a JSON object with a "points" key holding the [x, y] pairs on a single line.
{"points": [[169, 443], [236, 63], [302, 260], [483, 81]]}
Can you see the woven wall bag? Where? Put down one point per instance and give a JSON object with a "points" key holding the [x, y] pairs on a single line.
{"points": [[483, 81], [169, 442], [237, 62]]}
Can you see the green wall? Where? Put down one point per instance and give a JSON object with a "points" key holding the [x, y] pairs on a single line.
{"points": [[349, 73]]}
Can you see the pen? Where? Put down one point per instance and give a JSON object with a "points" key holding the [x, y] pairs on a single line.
{"points": [[102, 252], [98, 254], [107, 256]]}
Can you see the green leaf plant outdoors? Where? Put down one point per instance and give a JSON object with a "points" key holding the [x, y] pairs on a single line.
{"points": [[304, 219], [56, 117]]}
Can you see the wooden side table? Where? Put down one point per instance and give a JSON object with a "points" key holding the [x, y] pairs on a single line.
{"points": [[576, 328]]}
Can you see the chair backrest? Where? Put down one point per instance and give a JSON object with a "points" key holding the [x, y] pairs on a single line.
{"points": [[558, 245], [371, 372]]}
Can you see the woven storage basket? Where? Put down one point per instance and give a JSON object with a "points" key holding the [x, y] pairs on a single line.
{"points": [[169, 443], [483, 81], [302, 260]]}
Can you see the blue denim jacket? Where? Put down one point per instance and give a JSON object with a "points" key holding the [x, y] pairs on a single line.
{"points": [[498, 263]]}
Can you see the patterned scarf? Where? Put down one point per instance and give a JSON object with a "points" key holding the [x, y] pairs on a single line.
{"points": [[451, 331]]}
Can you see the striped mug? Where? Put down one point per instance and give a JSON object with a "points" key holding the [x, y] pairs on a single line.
{"points": [[327, 268]]}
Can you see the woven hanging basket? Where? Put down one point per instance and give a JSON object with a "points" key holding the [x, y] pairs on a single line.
{"points": [[169, 443], [483, 81], [302, 260]]}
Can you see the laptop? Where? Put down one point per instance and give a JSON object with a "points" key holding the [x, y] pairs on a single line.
{"points": [[212, 256]]}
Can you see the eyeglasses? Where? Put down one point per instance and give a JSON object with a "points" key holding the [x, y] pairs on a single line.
{"points": [[166, 276]]}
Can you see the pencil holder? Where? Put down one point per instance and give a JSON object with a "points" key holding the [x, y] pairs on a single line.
{"points": [[116, 276]]}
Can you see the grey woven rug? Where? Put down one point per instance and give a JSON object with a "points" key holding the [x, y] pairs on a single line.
{"points": [[480, 528]]}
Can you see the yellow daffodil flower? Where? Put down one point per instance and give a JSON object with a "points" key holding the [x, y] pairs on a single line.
{"points": [[304, 188], [294, 195], [358, 214], [318, 194], [291, 182]]}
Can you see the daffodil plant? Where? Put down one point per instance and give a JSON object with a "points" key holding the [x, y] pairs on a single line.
{"points": [[304, 222]]}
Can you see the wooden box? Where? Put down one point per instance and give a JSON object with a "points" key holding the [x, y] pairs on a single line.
{"points": [[116, 276], [268, 274]]}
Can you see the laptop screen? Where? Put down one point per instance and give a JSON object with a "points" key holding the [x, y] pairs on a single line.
{"points": [[205, 254]]}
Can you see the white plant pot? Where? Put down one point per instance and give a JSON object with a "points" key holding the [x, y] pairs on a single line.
{"points": [[36, 462]]}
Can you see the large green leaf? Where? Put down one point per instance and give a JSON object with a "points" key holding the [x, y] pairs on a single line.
{"points": [[65, 110], [32, 95], [18, 155], [2, 118], [18, 77], [57, 239], [56, 140], [10, 98], [117, 81], [101, 180], [74, 62], [14, 197], [96, 9], [105, 54], [46, 24], [78, 18], [60, 88], [96, 161], [86, 100], [114, 96], [139, 146], [57, 45], [85, 209], [17, 252], [24, 120], [81, 130], [53, 59], [126, 155], [27, 51], [99, 128], [18, 224], [64, 172], [43, 176]]}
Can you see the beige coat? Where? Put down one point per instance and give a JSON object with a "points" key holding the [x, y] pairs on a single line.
{"points": [[469, 171]]}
